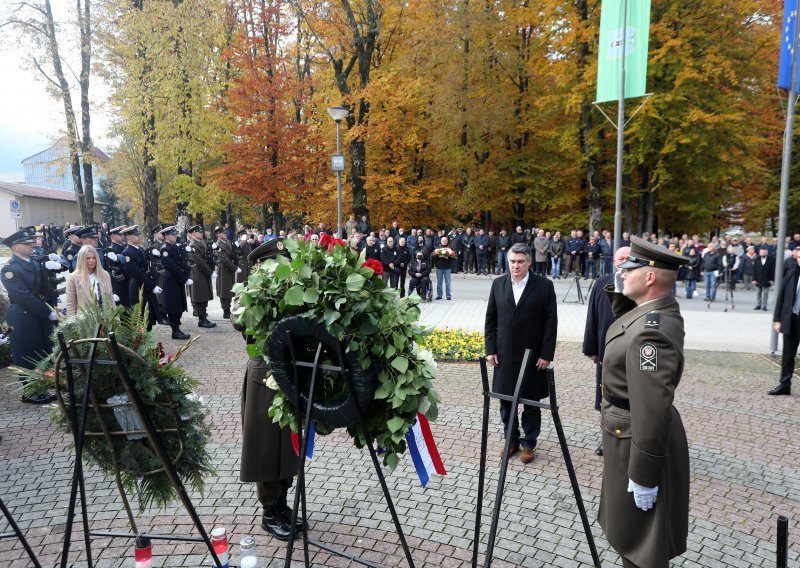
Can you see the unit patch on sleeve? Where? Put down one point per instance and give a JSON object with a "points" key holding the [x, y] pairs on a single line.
{"points": [[652, 320], [648, 357]]}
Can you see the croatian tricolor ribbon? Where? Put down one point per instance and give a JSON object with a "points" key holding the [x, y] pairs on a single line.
{"points": [[423, 450], [309, 445]]}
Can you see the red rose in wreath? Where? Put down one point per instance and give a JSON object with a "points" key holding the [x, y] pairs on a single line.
{"points": [[334, 242], [375, 265], [325, 240]]}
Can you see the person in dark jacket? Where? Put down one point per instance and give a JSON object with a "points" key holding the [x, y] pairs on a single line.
{"points": [[503, 244], [176, 277], [419, 272], [491, 259], [444, 258], [468, 251], [692, 272], [556, 254], [519, 237], [481, 244], [592, 252], [712, 264], [571, 259], [390, 258], [599, 318], [202, 291], [405, 258], [140, 284], [373, 249], [114, 261], [226, 269], [521, 315], [763, 277], [787, 321], [580, 250]]}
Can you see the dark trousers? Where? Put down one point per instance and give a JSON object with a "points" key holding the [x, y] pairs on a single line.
{"points": [[175, 322], [200, 309], [273, 492], [531, 424], [225, 303], [541, 268], [467, 267], [598, 392], [390, 277], [420, 285], [482, 258], [790, 343], [402, 282]]}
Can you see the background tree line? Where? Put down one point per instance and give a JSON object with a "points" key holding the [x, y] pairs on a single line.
{"points": [[460, 111]]}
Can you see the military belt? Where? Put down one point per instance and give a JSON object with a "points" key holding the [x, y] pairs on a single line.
{"points": [[618, 402]]}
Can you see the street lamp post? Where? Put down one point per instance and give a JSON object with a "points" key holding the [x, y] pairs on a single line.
{"points": [[338, 114]]}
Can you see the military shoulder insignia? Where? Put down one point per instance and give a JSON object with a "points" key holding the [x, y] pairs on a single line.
{"points": [[127, 259], [652, 320], [648, 357], [8, 275], [165, 253], [69, 257]]}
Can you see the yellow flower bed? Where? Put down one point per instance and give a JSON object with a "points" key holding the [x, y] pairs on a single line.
{"points": [[455, 345]]}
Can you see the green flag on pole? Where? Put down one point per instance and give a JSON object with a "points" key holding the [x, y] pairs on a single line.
{"points": [[635, 36]]}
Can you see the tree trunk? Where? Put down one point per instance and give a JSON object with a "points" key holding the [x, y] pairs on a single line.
{"points": [[628, 215], [85, 23], [650, 205], [592, 184]]}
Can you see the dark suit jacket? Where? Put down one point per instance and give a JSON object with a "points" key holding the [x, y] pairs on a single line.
{"points": [[764, 274], [785, 300], [599, 318], [511, 329]]}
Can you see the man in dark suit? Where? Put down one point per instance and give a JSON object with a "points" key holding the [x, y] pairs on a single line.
{"points": [[521, 315], [787, 322], [763, 277]]}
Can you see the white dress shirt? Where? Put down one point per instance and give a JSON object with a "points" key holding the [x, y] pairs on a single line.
{"points": [[518, 289]]}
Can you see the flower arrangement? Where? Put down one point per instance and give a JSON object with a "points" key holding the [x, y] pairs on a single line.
{"points": [[337, 288], [455, 345], [167, 391], [445, 252]]}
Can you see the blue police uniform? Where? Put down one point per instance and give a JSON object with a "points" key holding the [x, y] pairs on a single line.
{"points": [[138, 279], [176, 273], [119, 278]]}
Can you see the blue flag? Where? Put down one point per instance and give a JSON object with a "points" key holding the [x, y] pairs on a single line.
{"points": [[787, 39]]}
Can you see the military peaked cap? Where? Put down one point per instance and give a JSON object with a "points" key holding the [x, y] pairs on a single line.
{"points": [[87, 233], [195, 228], [171, 230], [132, 230], [25, 235], [116, 230], [270, 249], [644, 253], [73, 230]]}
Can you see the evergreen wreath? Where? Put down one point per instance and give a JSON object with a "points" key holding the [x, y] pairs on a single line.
{"points": [[166, 390], [332, 285]]}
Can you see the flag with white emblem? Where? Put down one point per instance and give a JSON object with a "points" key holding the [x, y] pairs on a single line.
{"points": [[787, 44]]}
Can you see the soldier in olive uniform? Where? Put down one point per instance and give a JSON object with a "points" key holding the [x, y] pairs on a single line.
{"points": [[268, 457], [226, 270], [201, 291], [644, 504]]}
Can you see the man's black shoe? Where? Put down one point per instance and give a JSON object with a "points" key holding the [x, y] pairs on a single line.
{"points": [[44, 398], [757, 308], [207, 324], [781, 389], [226, 314], [765, 309], [599, 449], [286, 511], [274, 523], [180, 335]]}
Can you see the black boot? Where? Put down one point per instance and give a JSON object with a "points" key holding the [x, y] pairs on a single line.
{"points": [[205, 323], [286, 511], [178, 334], [226, 314], [274, 523]]}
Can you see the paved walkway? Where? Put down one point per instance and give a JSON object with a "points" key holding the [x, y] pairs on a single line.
{"points": [[743, 445]]}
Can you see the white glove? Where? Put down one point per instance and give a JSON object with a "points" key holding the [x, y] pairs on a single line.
{"points": [[53, 316], [214, 274], [155, 252], [645, 497], [157, 290], [112, 256], [238, 243], [54, 257], [3, 339], [116, 298], [716, 273], [189, 248], [53, 265], [243, 238], [238, 270], [189, 282], [618, 283], [214, 246]]}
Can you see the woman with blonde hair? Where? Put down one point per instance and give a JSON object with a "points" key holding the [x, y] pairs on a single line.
{"points": [[89, 283]]}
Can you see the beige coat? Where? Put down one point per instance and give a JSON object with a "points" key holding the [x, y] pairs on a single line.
{"points": [[79, 294], [642, 367]]}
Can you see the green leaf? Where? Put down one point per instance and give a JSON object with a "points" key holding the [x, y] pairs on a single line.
{"points": [[311, 296], [282, 272], [392, 460], [384, 391], [331, 316], [400, 363], [252, 350], [395, 424], [390, 351], [294, 296], [355, 282]]}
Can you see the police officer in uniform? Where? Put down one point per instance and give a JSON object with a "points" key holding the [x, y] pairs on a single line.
{"points": [[156, 269], [71, 247], [176, 276], [245, 246], [201, 291], [268, 458], [115, 260], [88, 236], [644, 503], [30, 319], [139, 280], [226, 270]]}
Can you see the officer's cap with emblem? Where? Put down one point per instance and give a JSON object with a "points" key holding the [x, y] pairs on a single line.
{"points": [[218, 229], [87, 233], [132, 230], [157, 228], [171, 230], [270, 249], [645, 253], [195, 229], [116, 230], [23, 236], [73, 230]]}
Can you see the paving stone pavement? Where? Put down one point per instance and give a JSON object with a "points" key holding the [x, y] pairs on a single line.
{"points": [[743, 445]]}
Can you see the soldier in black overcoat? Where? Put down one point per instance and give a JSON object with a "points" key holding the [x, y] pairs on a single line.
{"points": [[115, 261], [521, 315], [139, 281], [176, 278]]}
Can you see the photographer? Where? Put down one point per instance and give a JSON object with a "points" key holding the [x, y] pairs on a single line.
{"points": [[30, 319]]}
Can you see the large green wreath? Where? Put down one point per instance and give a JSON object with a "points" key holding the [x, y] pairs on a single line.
{"points": [[333, 286], [166, 390]]}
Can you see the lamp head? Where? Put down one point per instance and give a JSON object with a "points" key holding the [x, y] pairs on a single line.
{"points": [[338, 113]]}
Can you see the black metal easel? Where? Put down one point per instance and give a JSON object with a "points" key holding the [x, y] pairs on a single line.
{"points": [[78, 427], [17, 534], [302, 428], [562, 440], [576, 281]]}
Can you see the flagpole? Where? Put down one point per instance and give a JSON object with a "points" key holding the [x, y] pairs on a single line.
{"points": [[785, 170], [620, 130]]}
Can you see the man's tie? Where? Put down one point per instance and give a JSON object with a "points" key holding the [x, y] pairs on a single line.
{"points": [[796, 307]]}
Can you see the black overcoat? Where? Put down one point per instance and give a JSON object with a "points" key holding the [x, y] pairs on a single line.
{"points": [[511, 329], [599, 318], [785, 300], [175, 277]]}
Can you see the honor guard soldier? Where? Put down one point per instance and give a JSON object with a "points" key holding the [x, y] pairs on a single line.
{"points": [[268, 457], [245, 246], [226, 270], [156, 270], [201, 291], [139, 281], [176, 276], [115, 260], [88, 236], [644, 503], [71, 247], [30, 319]]}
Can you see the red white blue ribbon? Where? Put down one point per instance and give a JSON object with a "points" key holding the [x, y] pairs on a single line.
{"points": [[423, 450], [309, 445]]}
